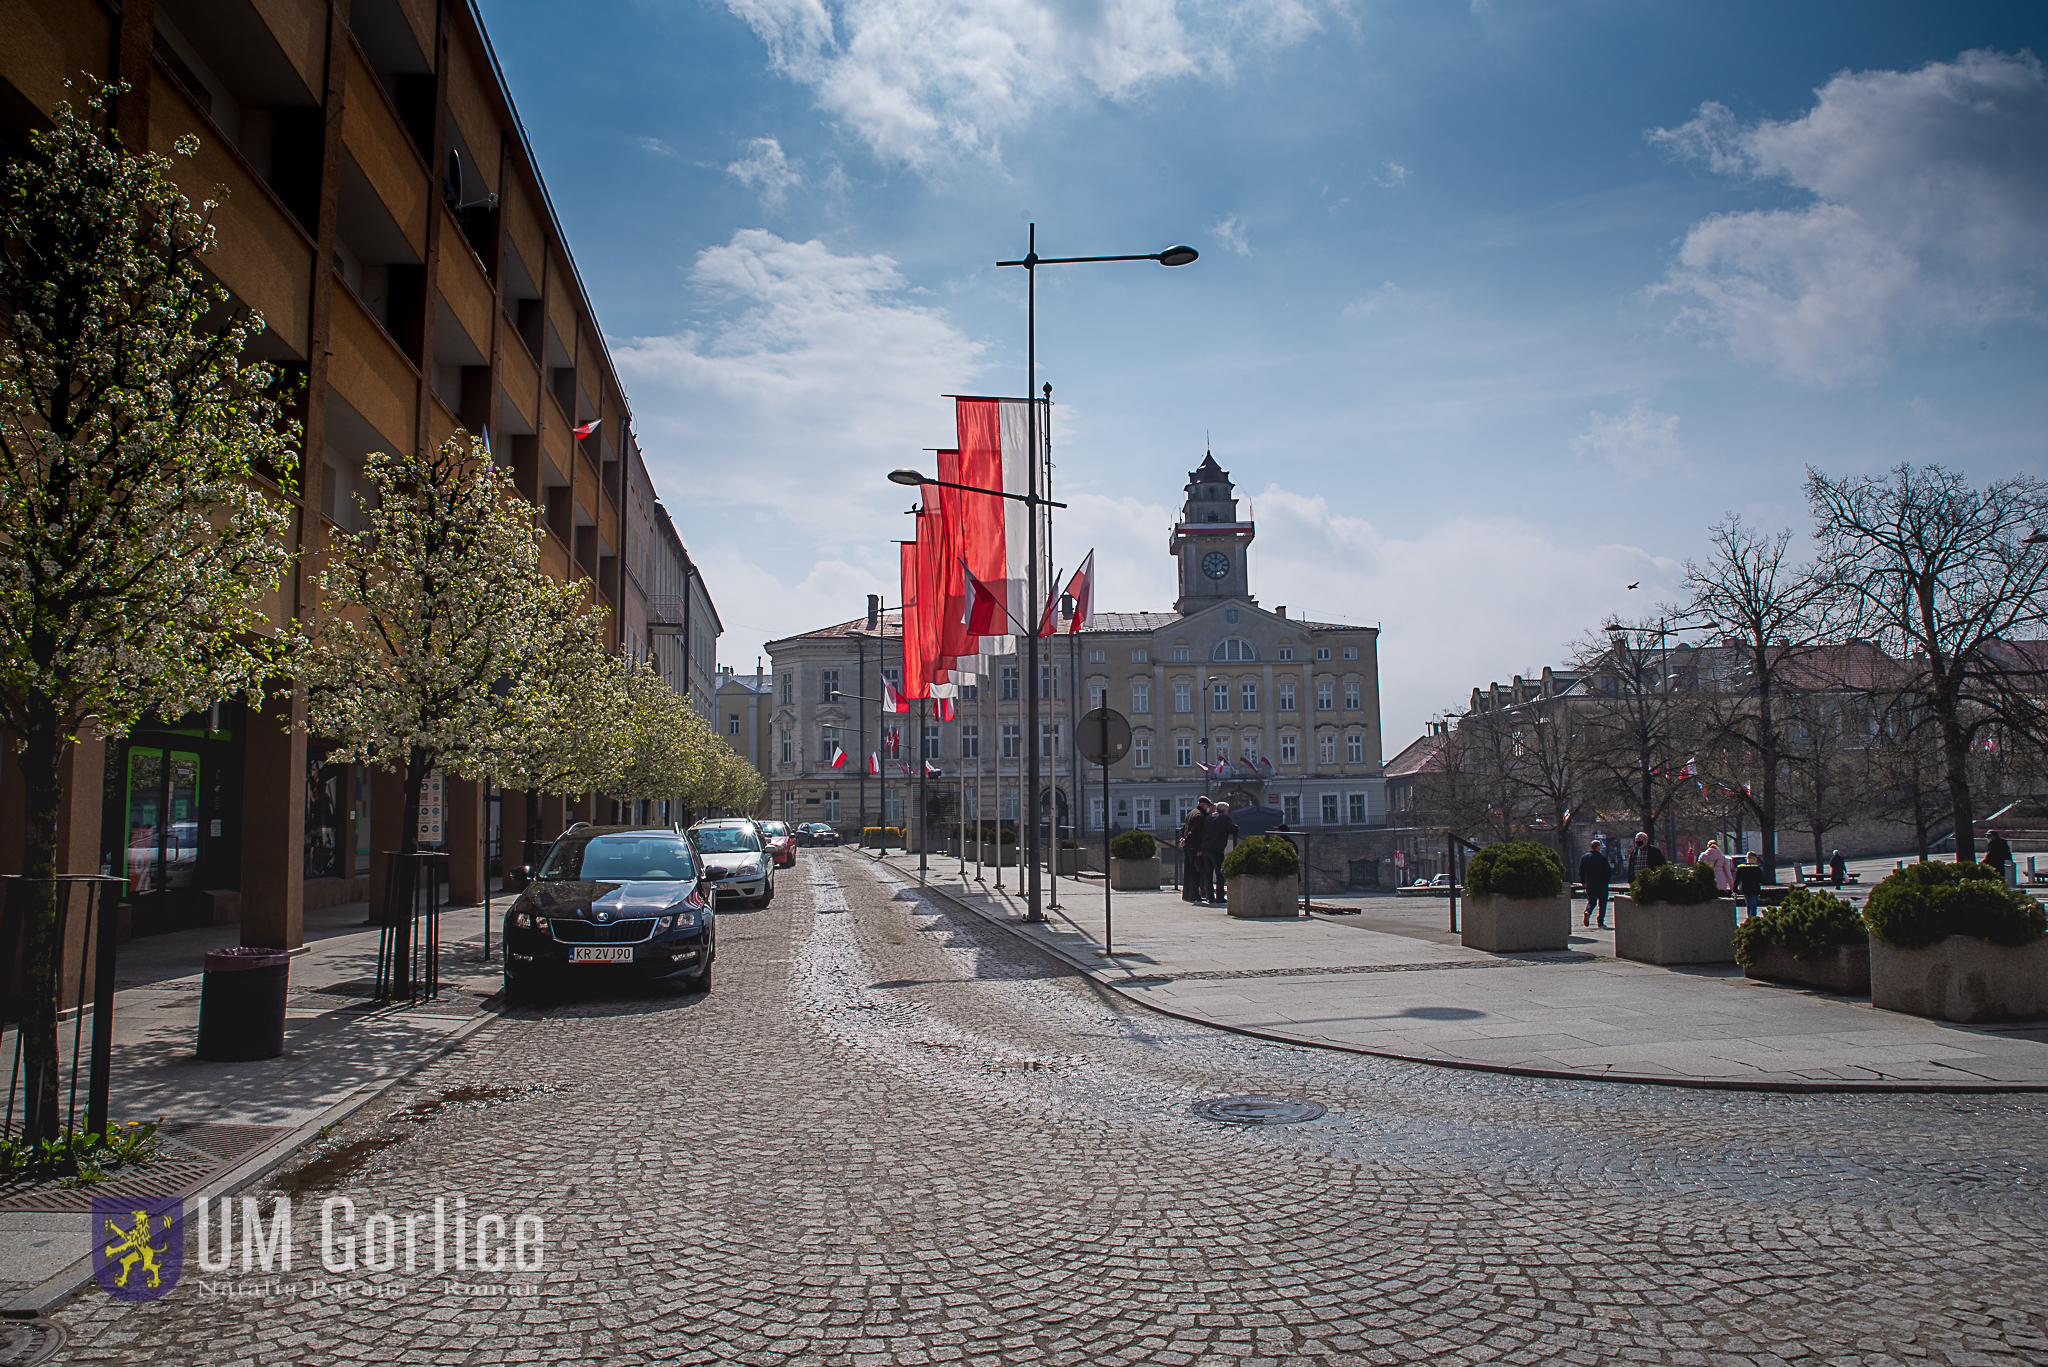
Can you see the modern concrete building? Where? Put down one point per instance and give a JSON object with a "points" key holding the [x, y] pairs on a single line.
{"points": [[383, 210]]}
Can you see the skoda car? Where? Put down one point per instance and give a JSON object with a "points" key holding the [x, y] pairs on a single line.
{"points": [[735, 859], [612, 903]]}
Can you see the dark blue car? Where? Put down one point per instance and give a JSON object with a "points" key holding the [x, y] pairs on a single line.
{"points": [[612, 904]]}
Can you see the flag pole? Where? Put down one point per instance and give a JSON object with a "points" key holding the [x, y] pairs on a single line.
{"points": [[924, 789]]}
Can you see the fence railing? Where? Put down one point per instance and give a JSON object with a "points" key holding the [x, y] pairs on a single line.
{"points": [[39, 1106], [409, 938]]}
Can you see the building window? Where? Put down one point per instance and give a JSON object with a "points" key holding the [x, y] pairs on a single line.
{"points": [[1139, 657], [892, 810], [1358, 814], [1180, 655], [1290, 809], [1141, 751], [1219, 697], [1009, 691], [1048, 740], [1009, 804], [828, 683], [1322, 652], [1141, 697], [932, 748], [1248, 698], [1221, 742], [970, 742], [1182, 806], [1096, 657], [828, 741], [790, 807], [1290, 748], [1350, 652], [1233, 650], [1183, 697], [1012, 744], [1326, 748], [1095, 812], [1048, 681], [1326, 695], [732, 723], [786, 756], [1330, 809], [1354, 748], [1184, 752], [1098, 695], [970, 692], [1144, 813], [1351, 695], [788, 689], [831, 804], [1287, 695], [1286, 652], [1248, 747]]}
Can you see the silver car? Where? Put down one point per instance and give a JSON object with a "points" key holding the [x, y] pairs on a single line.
{"points": [[737, 863]]}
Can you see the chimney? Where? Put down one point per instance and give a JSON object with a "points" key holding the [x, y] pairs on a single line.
{"points": [[874, 610], [1282, 609]]}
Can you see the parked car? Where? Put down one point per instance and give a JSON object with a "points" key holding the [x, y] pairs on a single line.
{"points": [[816, 833], [612, 903], [780, 841], [736, 864]]}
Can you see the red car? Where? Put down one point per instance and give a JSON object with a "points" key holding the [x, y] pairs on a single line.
{"points": [[779, 841]]}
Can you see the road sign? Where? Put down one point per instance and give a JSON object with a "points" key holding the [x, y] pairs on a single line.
{"points": [[1104, 736]]}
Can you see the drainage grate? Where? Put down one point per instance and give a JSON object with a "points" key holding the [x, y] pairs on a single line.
{"points": [[26, 1345], [1258, 1110]]}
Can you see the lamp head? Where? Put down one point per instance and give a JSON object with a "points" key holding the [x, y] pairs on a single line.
{"points": [[1178, 256], [910, 477]]}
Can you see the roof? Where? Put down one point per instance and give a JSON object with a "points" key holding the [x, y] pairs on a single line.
{"points": [[891, 625], [1425, 754], [1131, 621], [1208, 472]]}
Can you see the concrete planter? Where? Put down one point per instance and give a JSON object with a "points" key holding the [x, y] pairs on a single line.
{"points": [[1664, 933], [1135, 875], [1844, 970], [1262, 895], [1072, 862], [1506, 925], [1962, 978]]}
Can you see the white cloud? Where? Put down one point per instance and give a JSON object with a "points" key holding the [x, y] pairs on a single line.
{"points": [[657, 146], [918, 79], [1930, 217], [1637, 443], [766, 168], [1230, 232], [1393, 176]]}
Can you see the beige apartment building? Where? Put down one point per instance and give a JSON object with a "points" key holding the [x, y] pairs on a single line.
{"points": [[384, 213]]}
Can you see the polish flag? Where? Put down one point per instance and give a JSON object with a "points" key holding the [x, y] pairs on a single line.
{"points": [[995, 454], [945, 709], [1265, 764], [932, 770], [838, 758], [1081, 588], [1049, 620], [874, 764], [892, 701], [582, 430], [983, 614]]}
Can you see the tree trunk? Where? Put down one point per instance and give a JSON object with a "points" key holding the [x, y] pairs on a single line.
{"points": [[1767, 750], [1956, 750], [33, 907]]}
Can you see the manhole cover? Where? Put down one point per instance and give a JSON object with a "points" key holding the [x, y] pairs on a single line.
{"points": [[1258, 1110], [26, 1345]]}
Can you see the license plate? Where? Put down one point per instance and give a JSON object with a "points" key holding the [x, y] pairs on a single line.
{"points": [[601, 954]]}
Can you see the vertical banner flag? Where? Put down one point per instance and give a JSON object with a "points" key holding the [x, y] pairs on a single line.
{"points": [[994, 454], [914, 680], [1081, 588]]}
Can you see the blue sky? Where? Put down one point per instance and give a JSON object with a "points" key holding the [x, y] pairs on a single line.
{"points": [[1500, 305]]}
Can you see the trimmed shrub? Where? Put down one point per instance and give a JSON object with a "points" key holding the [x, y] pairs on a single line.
{"points": [[1514, 868], [1923, 903], [1806, 925], [1263, 856], [1134, 845], [1682, 887]]}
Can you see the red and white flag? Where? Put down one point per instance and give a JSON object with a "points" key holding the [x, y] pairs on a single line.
{"points": [[1049, 620], [995, 454], [1081, 588], [874, 764], [1265, 764], [838, 758], [584, 429], [944, 709], [931, 770], [892, 701], [984, 613]]}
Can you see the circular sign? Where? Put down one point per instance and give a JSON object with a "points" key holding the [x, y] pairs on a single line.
{"points": [[1103, 736]]}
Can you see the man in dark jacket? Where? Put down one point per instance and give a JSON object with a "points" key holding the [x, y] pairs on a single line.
{"points": [[1594, 875], [1749, 882], [1838, 869], [1191, 851], [1998, 854], [1643, 855], [1216, 834]]}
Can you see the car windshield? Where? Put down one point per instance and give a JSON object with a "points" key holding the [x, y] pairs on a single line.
{"points": [[774, 828], [726, 839], [621, 858]]}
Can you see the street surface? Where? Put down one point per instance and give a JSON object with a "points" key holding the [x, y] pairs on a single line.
{"points": [[897, 1135]]}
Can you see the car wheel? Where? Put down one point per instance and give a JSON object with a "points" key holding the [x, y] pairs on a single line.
{"points": [[702, 982]]}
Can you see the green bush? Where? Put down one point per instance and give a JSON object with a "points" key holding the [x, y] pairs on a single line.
{"points": [[1263, 856], [1806, 924], [1923, 903], [1682, 887], [1134, 845], [1514, 868]]}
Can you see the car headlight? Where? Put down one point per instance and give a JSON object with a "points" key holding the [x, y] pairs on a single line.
{"points": [[529, 920]]}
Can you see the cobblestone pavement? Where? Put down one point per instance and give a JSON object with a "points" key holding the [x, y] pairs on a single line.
{"points": [[890, 1135]]}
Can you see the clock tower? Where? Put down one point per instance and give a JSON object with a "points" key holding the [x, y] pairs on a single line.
{"points": [[1210, 542]]}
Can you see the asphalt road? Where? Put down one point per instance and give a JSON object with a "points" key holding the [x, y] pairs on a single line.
{"points": [[894, 1136]]}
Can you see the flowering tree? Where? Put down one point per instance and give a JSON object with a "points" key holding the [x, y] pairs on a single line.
{"points": [[430, 618], [574, 715], [134, 540]]}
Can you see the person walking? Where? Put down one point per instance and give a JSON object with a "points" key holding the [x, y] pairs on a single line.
{"points": [[1749, 881], [1721, 864], [1643, 855], [1217, 830], [1190, 844], [1998, 855], [1839, 868], [1595, 873]]}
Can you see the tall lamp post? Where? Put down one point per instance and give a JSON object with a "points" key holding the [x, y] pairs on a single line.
{"points": [[1031, 261]]}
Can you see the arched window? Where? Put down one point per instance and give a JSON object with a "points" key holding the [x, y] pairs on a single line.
{"points": [[1234, 649]]}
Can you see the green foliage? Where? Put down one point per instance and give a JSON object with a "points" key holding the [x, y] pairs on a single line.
{"points": [[1515, 868], [81, 1157], [1263, 856], [1807, 924], [1923, 903], [1134, 845], [1675, 884]]}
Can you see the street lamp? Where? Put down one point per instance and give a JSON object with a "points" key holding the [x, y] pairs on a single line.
{"points": [[1178, 255]]}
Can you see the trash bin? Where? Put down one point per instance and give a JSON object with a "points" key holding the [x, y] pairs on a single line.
{"points": [[241, 1004]]}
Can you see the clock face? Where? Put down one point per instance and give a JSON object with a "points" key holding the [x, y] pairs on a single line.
{"points": [[1215, 564]]}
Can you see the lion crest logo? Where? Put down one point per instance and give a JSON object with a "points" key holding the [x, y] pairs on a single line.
{"points": [[138, 1245]]}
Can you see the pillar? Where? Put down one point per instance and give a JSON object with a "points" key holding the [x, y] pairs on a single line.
{"points": [[274, 823], [387, 820], [82, 771], [464, 840]]}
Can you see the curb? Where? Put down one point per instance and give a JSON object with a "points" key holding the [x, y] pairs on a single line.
{"points": [[78, 1275], [1709, 1084]]}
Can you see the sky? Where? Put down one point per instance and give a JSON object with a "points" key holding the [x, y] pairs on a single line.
{"points": [[1501, 305]]}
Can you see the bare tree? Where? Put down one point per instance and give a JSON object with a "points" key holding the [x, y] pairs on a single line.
{"points": [[1548, 763], [1825, 773], [1770, 610], [1946, 579], [1638, 726], [1907, 783], [1474, 792]]}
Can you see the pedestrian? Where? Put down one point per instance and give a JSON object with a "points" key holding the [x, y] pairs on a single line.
{"points": [[1217, 829], [1594, 875], [1839, 867], [1998, 854], [1190, 843], [1721, 864], [1643, 855], [1749, 881]]}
